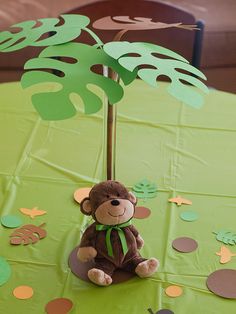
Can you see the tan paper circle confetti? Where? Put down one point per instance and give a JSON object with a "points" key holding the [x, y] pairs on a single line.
{"points": [[80, 194], [173, 291], [23, 292]]}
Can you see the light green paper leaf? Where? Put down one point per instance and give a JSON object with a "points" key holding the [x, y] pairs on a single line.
{"points": [[226, 237], [167, 66], [30, 35], [145, 189], [57, 105]]}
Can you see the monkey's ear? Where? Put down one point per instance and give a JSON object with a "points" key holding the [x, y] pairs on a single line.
{"points": [[132, 198], [85, 206]]}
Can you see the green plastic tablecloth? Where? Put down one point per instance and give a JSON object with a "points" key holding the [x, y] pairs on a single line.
{"points": [[185, 151]]}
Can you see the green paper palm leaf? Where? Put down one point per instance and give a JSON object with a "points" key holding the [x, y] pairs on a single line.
{"points": [[226, 237], [169, 67], [57, 105], [30, 35], [145, 189]]}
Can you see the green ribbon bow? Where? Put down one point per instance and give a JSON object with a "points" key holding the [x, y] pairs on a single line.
{"points": [[120, 233]]}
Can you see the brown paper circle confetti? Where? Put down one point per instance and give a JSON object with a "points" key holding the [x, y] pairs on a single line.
{"points": [[223, 283], [173, 291], [59, 306], [80, 269], [80, 194], [23, 292], [185, 245], [142, 212]]}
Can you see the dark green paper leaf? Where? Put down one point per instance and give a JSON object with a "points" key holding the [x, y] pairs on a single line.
{"points": [[57, 105], [167, 66], [30, 35], [145, 189]]}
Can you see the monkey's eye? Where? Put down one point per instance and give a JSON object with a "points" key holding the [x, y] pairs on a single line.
{"points": [[118, 195], [107, 196]]}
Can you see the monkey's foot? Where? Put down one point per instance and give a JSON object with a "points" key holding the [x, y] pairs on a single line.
{"points": [[147, 268], [98, 277]]}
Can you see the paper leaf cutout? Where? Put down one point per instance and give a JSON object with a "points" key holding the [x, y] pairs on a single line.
{"points": [[145, 189], [57, 105], [226, 237], [28, 234], [180, 200], [32, 212], [137, 23], [145, 55], [225, 255], [30, 35]]}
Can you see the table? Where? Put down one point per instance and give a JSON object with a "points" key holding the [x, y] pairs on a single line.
{"points": [[187, 152]]}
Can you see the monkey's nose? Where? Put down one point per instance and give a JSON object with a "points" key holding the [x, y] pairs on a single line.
{"points": [[115, 202]]}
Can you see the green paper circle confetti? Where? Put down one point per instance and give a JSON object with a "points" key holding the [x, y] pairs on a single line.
{"points": [[5, 271], [189, 215], [11, 221]]}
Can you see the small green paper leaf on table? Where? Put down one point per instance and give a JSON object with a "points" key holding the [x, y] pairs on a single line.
{"points": [[77, 76], [5, 271], [145, 55], [227, 237], [29, 35], [145, 189]]}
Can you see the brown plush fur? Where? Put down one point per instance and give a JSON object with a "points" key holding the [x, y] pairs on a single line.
{"points": [[111, 204]]}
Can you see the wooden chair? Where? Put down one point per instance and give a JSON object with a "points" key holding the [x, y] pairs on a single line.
{"points": [[187, 43]]}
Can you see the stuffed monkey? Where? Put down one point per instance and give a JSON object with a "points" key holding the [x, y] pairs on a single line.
{"points": [[112, 241]]}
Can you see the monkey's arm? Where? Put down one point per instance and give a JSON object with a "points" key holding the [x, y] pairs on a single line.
{"points": [[139, 239], [87, 250]]}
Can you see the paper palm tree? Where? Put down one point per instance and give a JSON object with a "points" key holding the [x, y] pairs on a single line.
{"points": [[117, 58]]}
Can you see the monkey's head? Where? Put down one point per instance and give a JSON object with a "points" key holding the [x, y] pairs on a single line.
{"points": [[110, 203]]}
